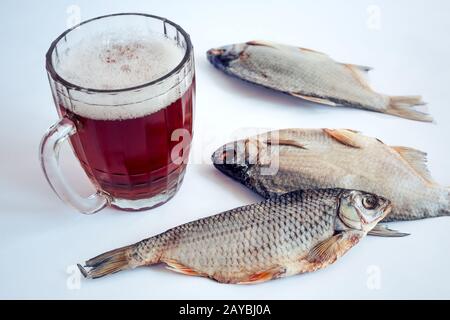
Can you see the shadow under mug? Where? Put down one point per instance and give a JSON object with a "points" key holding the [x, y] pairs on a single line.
{"points": [[133, 143]]}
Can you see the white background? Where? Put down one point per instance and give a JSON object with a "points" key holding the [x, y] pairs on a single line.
{"points": [[41, 238]]}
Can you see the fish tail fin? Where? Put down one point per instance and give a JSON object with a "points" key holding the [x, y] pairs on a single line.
{"points": [[107, 263], [402, 106]]}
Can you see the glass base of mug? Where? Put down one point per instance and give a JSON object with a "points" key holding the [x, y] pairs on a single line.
{"points": [[141, 204], [148, 203], [144, 204]]}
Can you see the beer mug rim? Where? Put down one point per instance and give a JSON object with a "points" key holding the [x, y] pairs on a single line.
{"points": [[56, 77]]}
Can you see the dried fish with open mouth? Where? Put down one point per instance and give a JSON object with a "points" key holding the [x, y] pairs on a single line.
{"points": [[310, 75], [295, 233], [326, 158]]}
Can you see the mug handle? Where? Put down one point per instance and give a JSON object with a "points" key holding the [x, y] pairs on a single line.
{"points": [[49, 154]]}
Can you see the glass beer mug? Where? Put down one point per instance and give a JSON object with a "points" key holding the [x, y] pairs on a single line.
{"points": [[124, 87]]}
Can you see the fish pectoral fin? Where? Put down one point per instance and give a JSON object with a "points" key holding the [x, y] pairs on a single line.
{"points": [[285, 142], [313, 99], [180, 268], [325, 250], [328, 251], [264, 276], [261, 43], [417, 160], [344, 136], [383, 231]]}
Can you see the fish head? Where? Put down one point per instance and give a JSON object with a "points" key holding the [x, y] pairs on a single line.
{"points": [[230, 160], [361, 210], [236, 159], [223, 56]]}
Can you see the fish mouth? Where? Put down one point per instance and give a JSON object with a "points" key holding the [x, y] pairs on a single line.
{"points": [[221, 57], [215, 52], [228, 160], [386, 209]]}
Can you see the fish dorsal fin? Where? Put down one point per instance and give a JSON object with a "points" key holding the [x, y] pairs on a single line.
{"points": [[180, 268], [312, 51], [314, 99], [325, 250], [359, 73], [344, 136], [261, 43], [417, 160]]}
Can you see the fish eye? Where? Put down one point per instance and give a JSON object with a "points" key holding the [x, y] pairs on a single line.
{"points": [[369, 202]]}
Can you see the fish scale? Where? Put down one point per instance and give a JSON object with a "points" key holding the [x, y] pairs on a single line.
{"points": [[252, 243]]}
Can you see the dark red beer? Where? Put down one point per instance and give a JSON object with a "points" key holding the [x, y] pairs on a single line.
{"points": [[131, 159]]}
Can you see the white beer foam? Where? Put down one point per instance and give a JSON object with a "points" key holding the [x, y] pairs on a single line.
{"points": [[106, 62]]}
